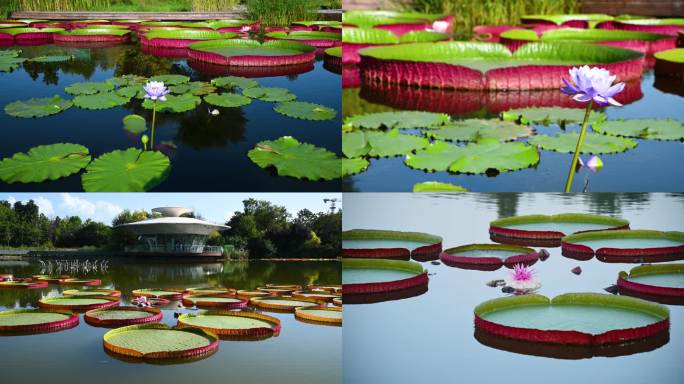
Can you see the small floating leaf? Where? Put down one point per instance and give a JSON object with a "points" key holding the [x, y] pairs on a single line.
{"points": [[300, 160], [476, 129], [305, 111], [400, 119], [657, 129], [170, 79], [135, 124], [354, 166], [234, 82], [130, 170], [9, 63], [103, 100], [175, 103], [393, 143], [44, 162], [272, 94], [229, 100], [354, 144], [550, 115], [593, 143], [197, 88], [38, 107], [88, 88], [436, 186]]}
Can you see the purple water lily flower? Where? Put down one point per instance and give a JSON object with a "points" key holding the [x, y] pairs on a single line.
{"points": [[594, 164], [156, 90], [592, 84]]}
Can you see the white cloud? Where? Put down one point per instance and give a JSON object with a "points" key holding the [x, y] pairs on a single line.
{"points": [[44, 205], [11, 200], [96, 210]]}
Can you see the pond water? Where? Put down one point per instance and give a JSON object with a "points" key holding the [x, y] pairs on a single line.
{"points": [[675, 280], [211, 151], [487, 253], [302, 352], [651, 166], [377, 243], [441, 343]]}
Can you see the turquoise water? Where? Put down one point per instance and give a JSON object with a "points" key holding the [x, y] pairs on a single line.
{"points": [[629, 243], [674, 280], [372, 243], [491, 253], [566, 228], [359, 276]]}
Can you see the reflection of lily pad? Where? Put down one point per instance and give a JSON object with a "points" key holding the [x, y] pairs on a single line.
{"points": [[197, 88], [135, 124], [550, 115], [657, 129], [130, 170], [273, 94], [103, 100], [399, 119], [88, 88], [354, 144], [10, 52], [229, 100], [354, 166], [593, 143], [305, 111], [175, 103], [476, 129], [234, 82], [44, 162], [51, 59], [393, 143], [300, 160], [436, 186], [8, 62], [477, 157], [38, 107], [171, 79]]}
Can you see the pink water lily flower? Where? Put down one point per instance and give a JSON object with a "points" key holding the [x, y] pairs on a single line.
{"points": [[156, 90], [592, 84], [522, 280], [440, 26], [594, 164]]}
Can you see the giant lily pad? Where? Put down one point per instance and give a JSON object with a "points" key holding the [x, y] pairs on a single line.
{"points": [[313, 38], [305, 111], [88, 88], [174, 103], [551, 115], [171, 79], [229, 100], [370, 19], [658, 129], [159, 341], [251, 52], [476, 129], [299, 160], [197, 88], [44, 162], [272, 94], [560, 19], [187, 34], [130, 170], [135, 124], [354, 144], [38, 107], [382, 36], [399, 119], [36, 320], [393, 143], [580, 34], [102, 100], [354, 166], [436, 186], [593, 143], [231, 82], [476, 157]]}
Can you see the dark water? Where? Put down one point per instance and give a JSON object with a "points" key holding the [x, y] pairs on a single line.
{"points": [[211, 152], [430, 338], [651, 166], [301, 353]]}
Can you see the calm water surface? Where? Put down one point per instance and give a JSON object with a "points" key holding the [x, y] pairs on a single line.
{"points": [[430, 338]]}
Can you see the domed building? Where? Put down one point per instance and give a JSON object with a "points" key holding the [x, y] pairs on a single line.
{"points": [[172, 233]]}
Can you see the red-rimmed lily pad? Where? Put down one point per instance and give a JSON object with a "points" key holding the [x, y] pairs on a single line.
{"points": [[623, 246], [355, 39], [668, 26], [25, 33], [279, 303], [92, 292], [488, 257], [181, 38], [663, 283], [83, 282], [369, 276], [398, 23], [670, 63], [313, 38], [316, 314], [44, 162], [233, 323], [40, 107], [213, 301], [374, 243], [28, 321], [120, 316], [237, 52], [333, 59], [102, 34], [211, 291], [323, 296], [23, 284], [171, 294], [246, 293], [573, 21], [126, 171], [295, 159], [78, 303]]}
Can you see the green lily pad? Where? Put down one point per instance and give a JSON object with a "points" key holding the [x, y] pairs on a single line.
{"points": [[354, 144], [476, 129], [273, 94], [10, 52], [9, 63], [229, 100], [436, 186], [51, 59], [550, 115], [477, 157], [656, 129], [38, 107], [305, 111], [231, 82], [170, 79], [88, 88], [124, 80], [593, 143], [197, 88], [135, 124], [130, 170], [44, 162], [175, 103], [130, 91], [103, 100], [393, 143], [299, 160], [354, 166], [399, 119]]}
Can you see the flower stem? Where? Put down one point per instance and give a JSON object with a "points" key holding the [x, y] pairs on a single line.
{"points": [[580, 141], [154, 115]]}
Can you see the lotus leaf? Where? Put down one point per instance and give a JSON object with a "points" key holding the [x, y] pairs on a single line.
{"points": [[88, 88], [476, 129], [51, 58], [334, 51], [436, 186], [658, 129], [122, 81], [44, 162], [130, 170], [354, 144], [9, 63], [197, 88], [550, 115], [175, 103], [229, 100], [399, 119], [38, 107], [272, 94], [393, 143], [135, 124], [234, 82], [171, 79], [129, 91], [593, 143], [305, 111], [476, 157], [102, 100], [299, 160], [354, 166]]}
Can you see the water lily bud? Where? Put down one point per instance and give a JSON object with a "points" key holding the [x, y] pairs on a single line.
{"points": [[214, 112], [145, 139]]}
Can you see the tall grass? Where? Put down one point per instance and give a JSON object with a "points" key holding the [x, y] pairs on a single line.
{"points": [[7, 7], [469, 13], [282, 12], [214, 5], [62, 5]]}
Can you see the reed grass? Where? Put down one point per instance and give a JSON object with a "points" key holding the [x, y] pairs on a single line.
{"points": [[214, 5], [282, 12]]}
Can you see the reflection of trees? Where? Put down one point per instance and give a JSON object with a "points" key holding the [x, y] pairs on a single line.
{"points": [[199, 129], [613, 203], [506, 203]]}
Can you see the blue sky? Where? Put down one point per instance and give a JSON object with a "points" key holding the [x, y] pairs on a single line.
{"points": [[215, 207]]}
